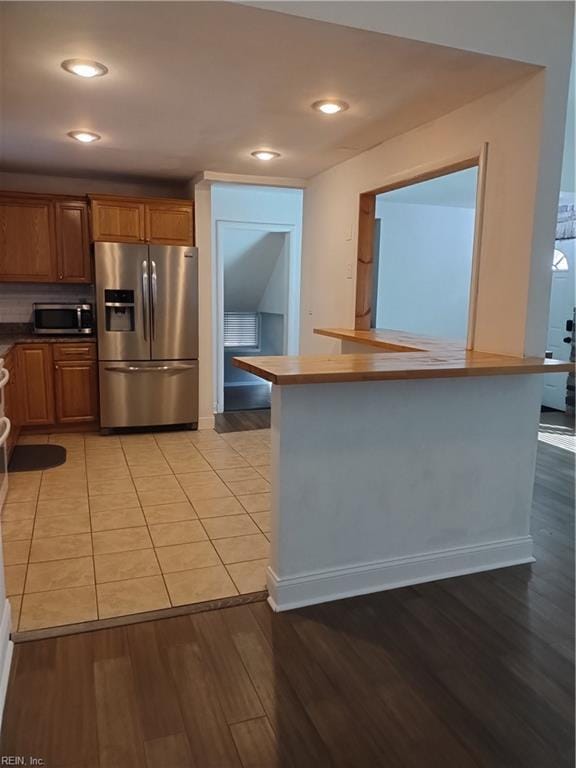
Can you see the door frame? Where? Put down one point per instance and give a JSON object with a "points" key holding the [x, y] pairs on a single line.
{"points": [[365, 259], [292, 325]]}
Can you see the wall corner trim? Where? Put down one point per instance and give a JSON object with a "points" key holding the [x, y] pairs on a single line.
{"points": [[206, 422]]}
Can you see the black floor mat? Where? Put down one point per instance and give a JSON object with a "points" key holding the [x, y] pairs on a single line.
{"points": [[29, 458]]}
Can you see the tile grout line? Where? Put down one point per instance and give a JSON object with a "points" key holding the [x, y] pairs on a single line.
{"points": [[201, 525], [91, 530], [37, 501], [152, 540], [230, 447]]}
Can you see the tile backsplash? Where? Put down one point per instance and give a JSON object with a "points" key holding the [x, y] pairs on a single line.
{"points": [[16, 299]]}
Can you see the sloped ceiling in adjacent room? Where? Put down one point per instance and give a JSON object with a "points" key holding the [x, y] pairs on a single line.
{"points": [[249, 257]]}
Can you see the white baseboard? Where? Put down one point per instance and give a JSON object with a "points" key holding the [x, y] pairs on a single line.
{"points": [[6, 648], [206, 422], [338, 583]]}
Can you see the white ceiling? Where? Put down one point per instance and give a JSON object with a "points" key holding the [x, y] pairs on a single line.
{"points": [[198, 85], [454, 190]]}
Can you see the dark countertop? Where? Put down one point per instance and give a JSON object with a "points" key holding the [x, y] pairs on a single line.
{"points": [[20, 333]]}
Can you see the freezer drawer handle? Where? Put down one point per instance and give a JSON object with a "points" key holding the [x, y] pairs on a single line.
{"points": [[6, 421], [4, 376], [149, 369]]}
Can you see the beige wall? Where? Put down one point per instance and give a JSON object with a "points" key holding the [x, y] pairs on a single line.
{"points": [[509, 120], [68, 185]]}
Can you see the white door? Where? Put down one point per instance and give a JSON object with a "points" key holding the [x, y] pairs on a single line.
{"points": [[561, 310]]}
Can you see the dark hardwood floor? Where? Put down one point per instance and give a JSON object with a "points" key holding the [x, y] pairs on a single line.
{"points": [[238, 421], [472, 671], [246, 398]]}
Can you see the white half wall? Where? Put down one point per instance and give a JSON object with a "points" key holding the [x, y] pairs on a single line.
{"points": [[363, 499]]}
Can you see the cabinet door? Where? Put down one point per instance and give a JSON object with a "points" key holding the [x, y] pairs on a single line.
{"points": [[117, 221], [36, 384], [73, 242], [11, 403], [27, 247], [169, 224], [76, 391]]}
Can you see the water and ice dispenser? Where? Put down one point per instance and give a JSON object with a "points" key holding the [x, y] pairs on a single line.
{"points": [[120, 310]]}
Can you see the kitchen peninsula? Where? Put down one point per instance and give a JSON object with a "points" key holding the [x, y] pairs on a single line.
{"points": [[410, 460]]}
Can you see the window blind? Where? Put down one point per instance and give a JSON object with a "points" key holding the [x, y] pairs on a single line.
{"points": [[241, 329]]}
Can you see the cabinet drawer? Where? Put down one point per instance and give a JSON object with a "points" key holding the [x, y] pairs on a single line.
{"points": [[73, 352]]}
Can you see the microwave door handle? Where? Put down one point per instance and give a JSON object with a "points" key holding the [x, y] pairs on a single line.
{"points": [[79, 318], [145, 298], [154, 298]]}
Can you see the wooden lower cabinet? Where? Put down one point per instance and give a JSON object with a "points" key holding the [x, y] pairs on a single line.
{"points": [[76, 390], [57, 383], [36, 385]]}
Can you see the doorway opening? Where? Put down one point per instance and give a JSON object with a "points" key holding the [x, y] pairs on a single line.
{"points": [[425, 244], [255, 264], [418, 251], [560, 338], [257, 235]]}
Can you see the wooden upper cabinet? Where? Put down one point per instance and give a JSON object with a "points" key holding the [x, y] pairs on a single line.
{"points": [[27, 241], [73, 242], [169, 224], [118, 221], [125, 220]]}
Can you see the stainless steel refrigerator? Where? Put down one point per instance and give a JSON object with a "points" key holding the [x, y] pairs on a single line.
{"points": [[147, 318]]}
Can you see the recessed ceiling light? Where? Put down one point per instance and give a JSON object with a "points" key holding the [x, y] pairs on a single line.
{"points": [[265, 154], [86, 137], [84, 67], [330, 106]]}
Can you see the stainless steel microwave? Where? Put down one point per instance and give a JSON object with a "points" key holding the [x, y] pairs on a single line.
{"points": [[63, 319]]}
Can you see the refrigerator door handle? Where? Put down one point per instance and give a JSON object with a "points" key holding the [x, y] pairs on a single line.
{"points": [[145, 298], [154, 298], [148, 369]]}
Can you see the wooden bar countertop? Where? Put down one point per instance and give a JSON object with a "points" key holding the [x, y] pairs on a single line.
{"points": [[409, 357]]}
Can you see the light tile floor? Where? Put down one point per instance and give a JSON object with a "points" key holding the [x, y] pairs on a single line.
{"points": [[136, 523]]}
